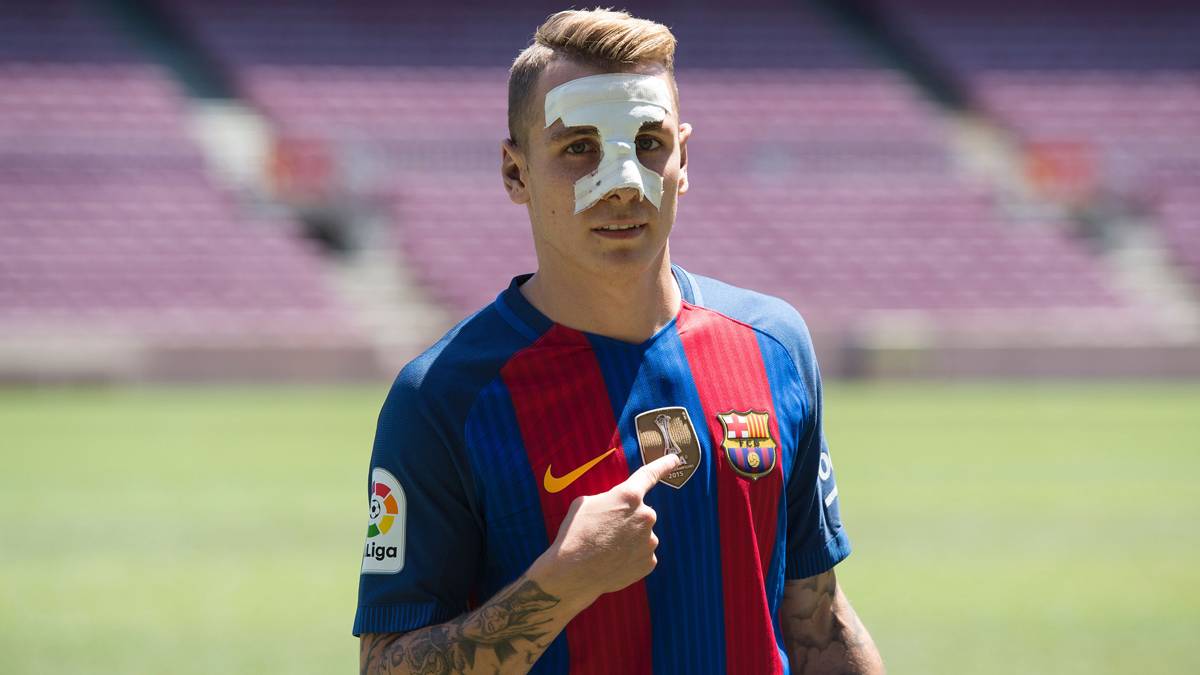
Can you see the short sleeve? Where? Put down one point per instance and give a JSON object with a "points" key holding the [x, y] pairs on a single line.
{"points": [[816, 540], [423, 538]]}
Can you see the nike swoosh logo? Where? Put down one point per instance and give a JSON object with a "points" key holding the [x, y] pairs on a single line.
{"points": [[554, 483]]}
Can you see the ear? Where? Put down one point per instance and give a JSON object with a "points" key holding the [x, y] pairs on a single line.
{"points": [[512, 172], [685, 132]]}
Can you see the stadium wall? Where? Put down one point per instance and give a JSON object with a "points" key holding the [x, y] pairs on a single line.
{"points": [[45, 362]]}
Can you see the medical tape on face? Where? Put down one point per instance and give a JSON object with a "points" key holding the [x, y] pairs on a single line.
{"points": [[617, 105]]}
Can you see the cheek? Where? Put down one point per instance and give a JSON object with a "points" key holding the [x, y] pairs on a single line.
{"points": [[660, 163], [561, 176], [580, 170], [553, 194]]}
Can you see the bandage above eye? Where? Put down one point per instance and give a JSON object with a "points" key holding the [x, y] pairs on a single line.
{"points": [[617, 105]]}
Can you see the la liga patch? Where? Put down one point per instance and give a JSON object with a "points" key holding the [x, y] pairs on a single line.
{"points": [[384, 550]]}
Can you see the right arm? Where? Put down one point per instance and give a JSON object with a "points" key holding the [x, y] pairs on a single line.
{"points": [[822, 632], [505, 635], [605, 543]]}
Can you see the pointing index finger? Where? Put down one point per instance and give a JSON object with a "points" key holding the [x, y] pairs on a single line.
{"points": [[648, 475]]}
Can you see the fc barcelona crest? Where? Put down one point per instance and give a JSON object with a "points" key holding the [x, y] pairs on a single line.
{"points": [[747, 442]]}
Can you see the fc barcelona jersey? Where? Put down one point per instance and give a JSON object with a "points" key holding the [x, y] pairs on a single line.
{"points": [[486, 438]]}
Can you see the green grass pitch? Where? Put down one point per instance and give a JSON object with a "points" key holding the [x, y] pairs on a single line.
{"points": [[1013, 528]]}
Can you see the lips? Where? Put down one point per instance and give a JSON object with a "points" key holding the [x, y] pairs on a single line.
{"points": [[619, 231], [618, 227]]}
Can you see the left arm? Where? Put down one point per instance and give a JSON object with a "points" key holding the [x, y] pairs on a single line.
{"points": [[821, 631]]}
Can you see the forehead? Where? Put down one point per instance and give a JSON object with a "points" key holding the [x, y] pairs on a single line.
{"points": [[560, 71]]}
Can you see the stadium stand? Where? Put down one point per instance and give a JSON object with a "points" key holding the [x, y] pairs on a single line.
{"points": [[110, 224], [818, 174], [1112, 85], [835, 189], [1178, 204]]}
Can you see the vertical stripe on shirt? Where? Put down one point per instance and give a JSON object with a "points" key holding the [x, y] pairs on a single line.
{"points": [[560, 373], [684, 590], [729, 373]]}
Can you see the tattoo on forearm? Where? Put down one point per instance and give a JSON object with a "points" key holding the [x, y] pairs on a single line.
{"points": [[824, 636], [517, 614]]}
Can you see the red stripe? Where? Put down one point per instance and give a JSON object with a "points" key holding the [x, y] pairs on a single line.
{"points": [[566, 420], [729, 373]]}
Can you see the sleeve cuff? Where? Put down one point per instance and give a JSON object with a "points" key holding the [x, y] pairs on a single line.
{"points": [[815, 560], [401, 618]]}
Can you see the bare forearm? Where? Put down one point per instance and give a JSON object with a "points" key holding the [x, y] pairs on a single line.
{"points": [[605, 543], [505, 635], [823, 633]]}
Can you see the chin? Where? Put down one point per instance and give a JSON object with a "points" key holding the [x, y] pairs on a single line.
{"points": [[632, 255]]}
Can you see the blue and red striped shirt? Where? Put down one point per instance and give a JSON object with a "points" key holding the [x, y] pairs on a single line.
{"points": [[475, 431]]}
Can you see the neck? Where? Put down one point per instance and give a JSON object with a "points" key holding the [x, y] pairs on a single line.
{"points": [[631, 308]]}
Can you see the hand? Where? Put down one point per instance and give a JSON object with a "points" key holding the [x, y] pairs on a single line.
{"points": [[606, 541]]}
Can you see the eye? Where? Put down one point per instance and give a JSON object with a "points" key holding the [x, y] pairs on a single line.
{"points": [[648, 143], [578, 147]]}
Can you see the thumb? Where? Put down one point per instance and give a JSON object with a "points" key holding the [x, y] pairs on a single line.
{"points": [[648, 475]]}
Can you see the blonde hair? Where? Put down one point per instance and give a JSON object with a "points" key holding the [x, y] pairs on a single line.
{"points": [[609, 40]]}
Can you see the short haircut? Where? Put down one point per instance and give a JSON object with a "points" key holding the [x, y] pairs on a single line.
{"points": [[612, 41]]}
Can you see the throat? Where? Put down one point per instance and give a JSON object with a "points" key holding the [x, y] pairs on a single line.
{"points": [[629, 310]]}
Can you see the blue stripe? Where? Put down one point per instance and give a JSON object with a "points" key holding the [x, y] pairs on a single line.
{"points": [[619, 364], [429, 400], [684, 592], [787, 395], [516, 530]]}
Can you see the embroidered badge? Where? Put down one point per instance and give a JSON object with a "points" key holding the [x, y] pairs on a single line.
{"points": [[747, 442], [669, 430], [384, 550]]}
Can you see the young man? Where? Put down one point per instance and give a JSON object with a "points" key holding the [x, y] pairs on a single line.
{"points": [[617, 467]]}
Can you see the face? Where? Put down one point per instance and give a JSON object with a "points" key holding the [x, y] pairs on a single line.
{"points": [[543, 172]]}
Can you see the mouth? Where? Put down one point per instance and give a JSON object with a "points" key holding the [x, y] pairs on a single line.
{"points": [[620, 230]]}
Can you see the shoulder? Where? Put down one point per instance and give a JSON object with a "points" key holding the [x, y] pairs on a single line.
{"points": [[442, 382], [771, 316]]}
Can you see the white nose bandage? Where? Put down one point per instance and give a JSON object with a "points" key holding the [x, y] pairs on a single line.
{"points": [[617, 105]]}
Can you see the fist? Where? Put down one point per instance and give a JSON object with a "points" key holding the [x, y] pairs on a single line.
{"points": [[606, 541]]}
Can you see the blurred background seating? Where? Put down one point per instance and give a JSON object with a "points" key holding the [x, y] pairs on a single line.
{"points": [[1048, 202]]}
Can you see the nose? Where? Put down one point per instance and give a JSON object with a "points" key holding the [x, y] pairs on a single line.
{"points": [[623, 195]]}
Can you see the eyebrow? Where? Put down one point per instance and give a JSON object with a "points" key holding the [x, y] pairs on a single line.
{"points": [[593, 131], [574, 131]]}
